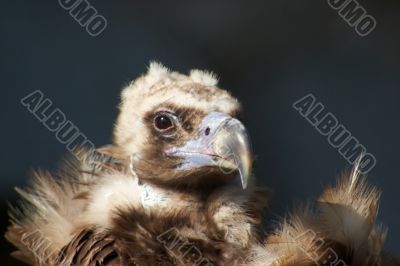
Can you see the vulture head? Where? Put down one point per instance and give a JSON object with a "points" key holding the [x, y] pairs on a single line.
{"points": [[181, 130]]}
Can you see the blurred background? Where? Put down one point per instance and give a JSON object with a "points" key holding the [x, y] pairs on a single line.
{"points": [[267, 53]]}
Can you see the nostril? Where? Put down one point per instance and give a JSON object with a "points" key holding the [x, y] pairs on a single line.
{"points": [[207, 132]]}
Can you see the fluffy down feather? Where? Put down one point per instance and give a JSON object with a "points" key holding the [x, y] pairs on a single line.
{"points": [[340, 230], [97, 211], [82, 216], [54, 225]]}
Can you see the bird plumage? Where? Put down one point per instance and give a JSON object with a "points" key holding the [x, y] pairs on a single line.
{"points": [[165, 193]]}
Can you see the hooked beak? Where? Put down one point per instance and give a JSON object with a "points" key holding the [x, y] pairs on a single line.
{"points": [[222, 142]]}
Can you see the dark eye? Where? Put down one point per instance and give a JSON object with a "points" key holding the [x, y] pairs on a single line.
{"points": [[163, 122]]}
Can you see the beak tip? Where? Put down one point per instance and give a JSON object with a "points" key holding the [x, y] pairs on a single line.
{"points": [[244, 178]]}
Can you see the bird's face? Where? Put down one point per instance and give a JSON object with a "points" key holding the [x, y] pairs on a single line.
{"points": [[183, 132]]}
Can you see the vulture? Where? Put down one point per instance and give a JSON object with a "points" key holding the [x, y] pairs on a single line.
{"points": [[176, 188]]}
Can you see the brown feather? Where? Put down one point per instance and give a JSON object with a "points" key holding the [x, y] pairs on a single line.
{"points": [[93, 211]]}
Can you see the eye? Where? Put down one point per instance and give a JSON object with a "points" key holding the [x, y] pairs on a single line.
{"points": [[163, 122]]}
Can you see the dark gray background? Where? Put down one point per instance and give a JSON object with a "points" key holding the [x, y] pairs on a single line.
{"points": [[268, 53]]}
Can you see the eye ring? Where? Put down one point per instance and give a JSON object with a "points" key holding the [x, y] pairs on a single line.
{"points": [[163, 122]]}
